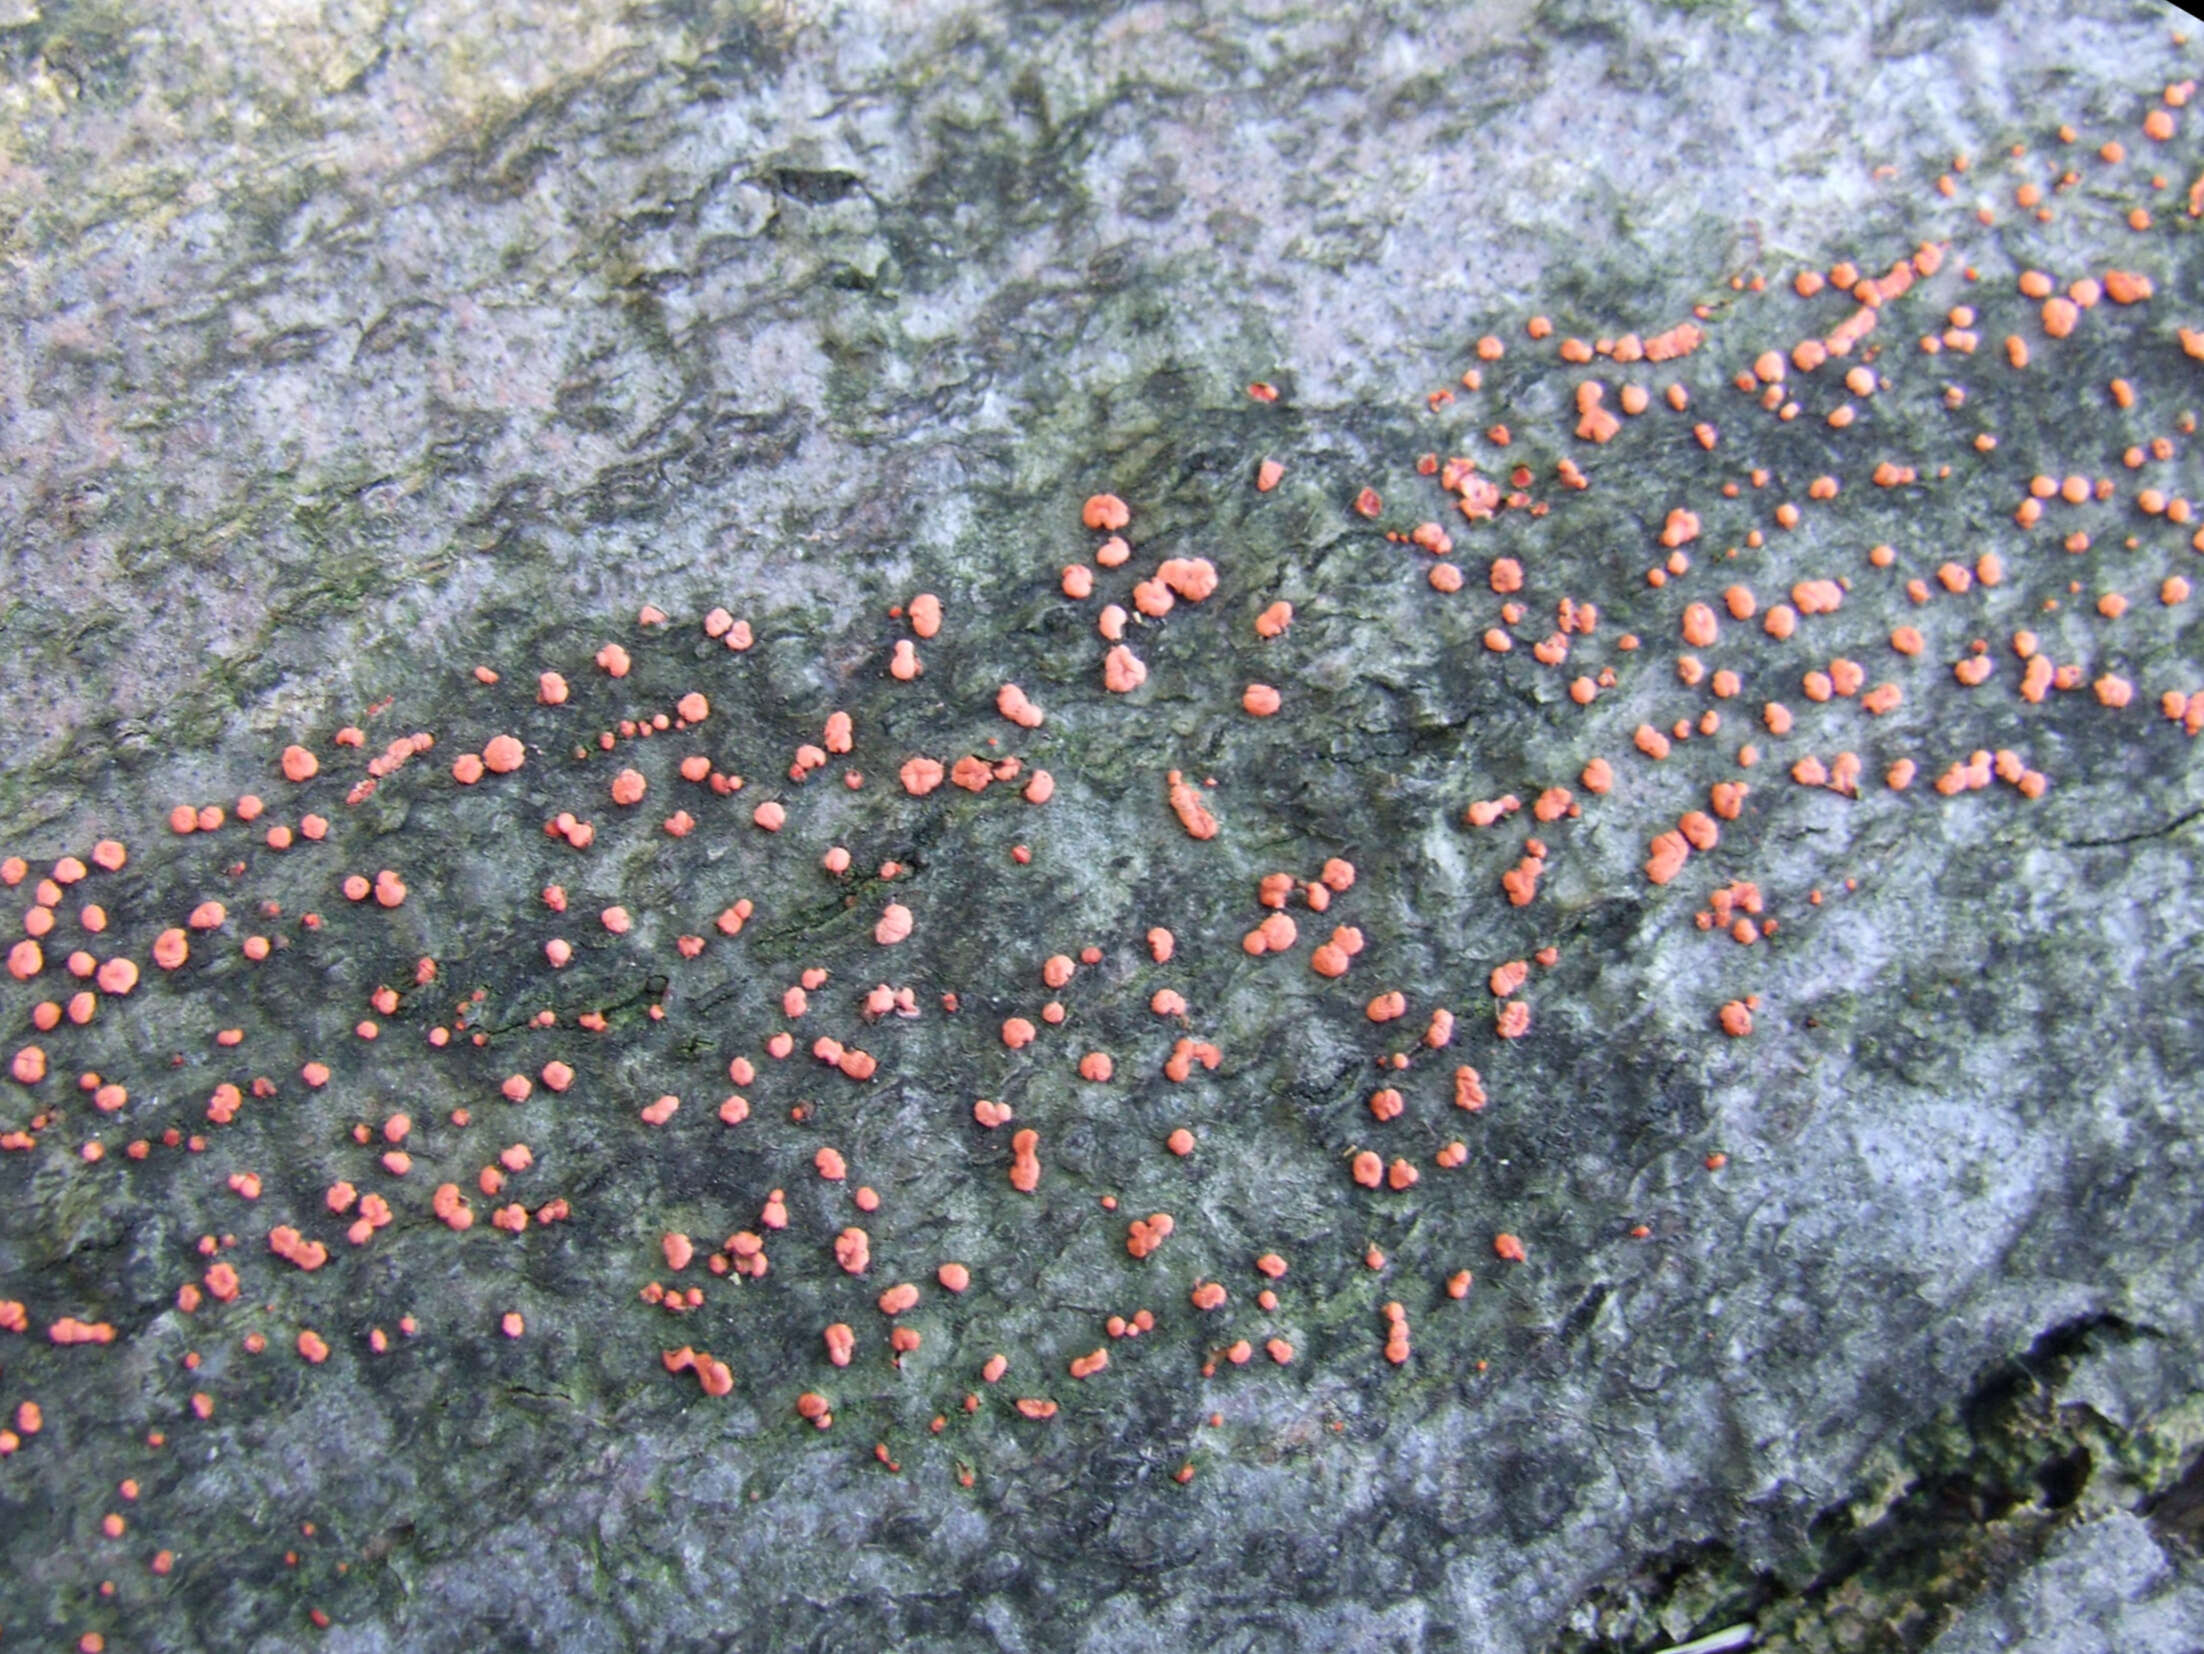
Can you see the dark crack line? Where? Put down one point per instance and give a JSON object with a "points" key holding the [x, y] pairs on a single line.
{"points": [[2173, 826]]}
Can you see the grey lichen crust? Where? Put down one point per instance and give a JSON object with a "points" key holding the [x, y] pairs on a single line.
{"points": [[354, 347]]}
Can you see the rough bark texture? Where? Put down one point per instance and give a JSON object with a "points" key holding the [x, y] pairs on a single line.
{"points": [[353, 345]]}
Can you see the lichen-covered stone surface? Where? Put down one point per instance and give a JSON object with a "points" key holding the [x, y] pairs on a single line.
{"points": [[353, 347]]}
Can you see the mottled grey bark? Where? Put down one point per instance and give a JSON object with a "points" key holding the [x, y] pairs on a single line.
{"points": [[352, 346]]}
